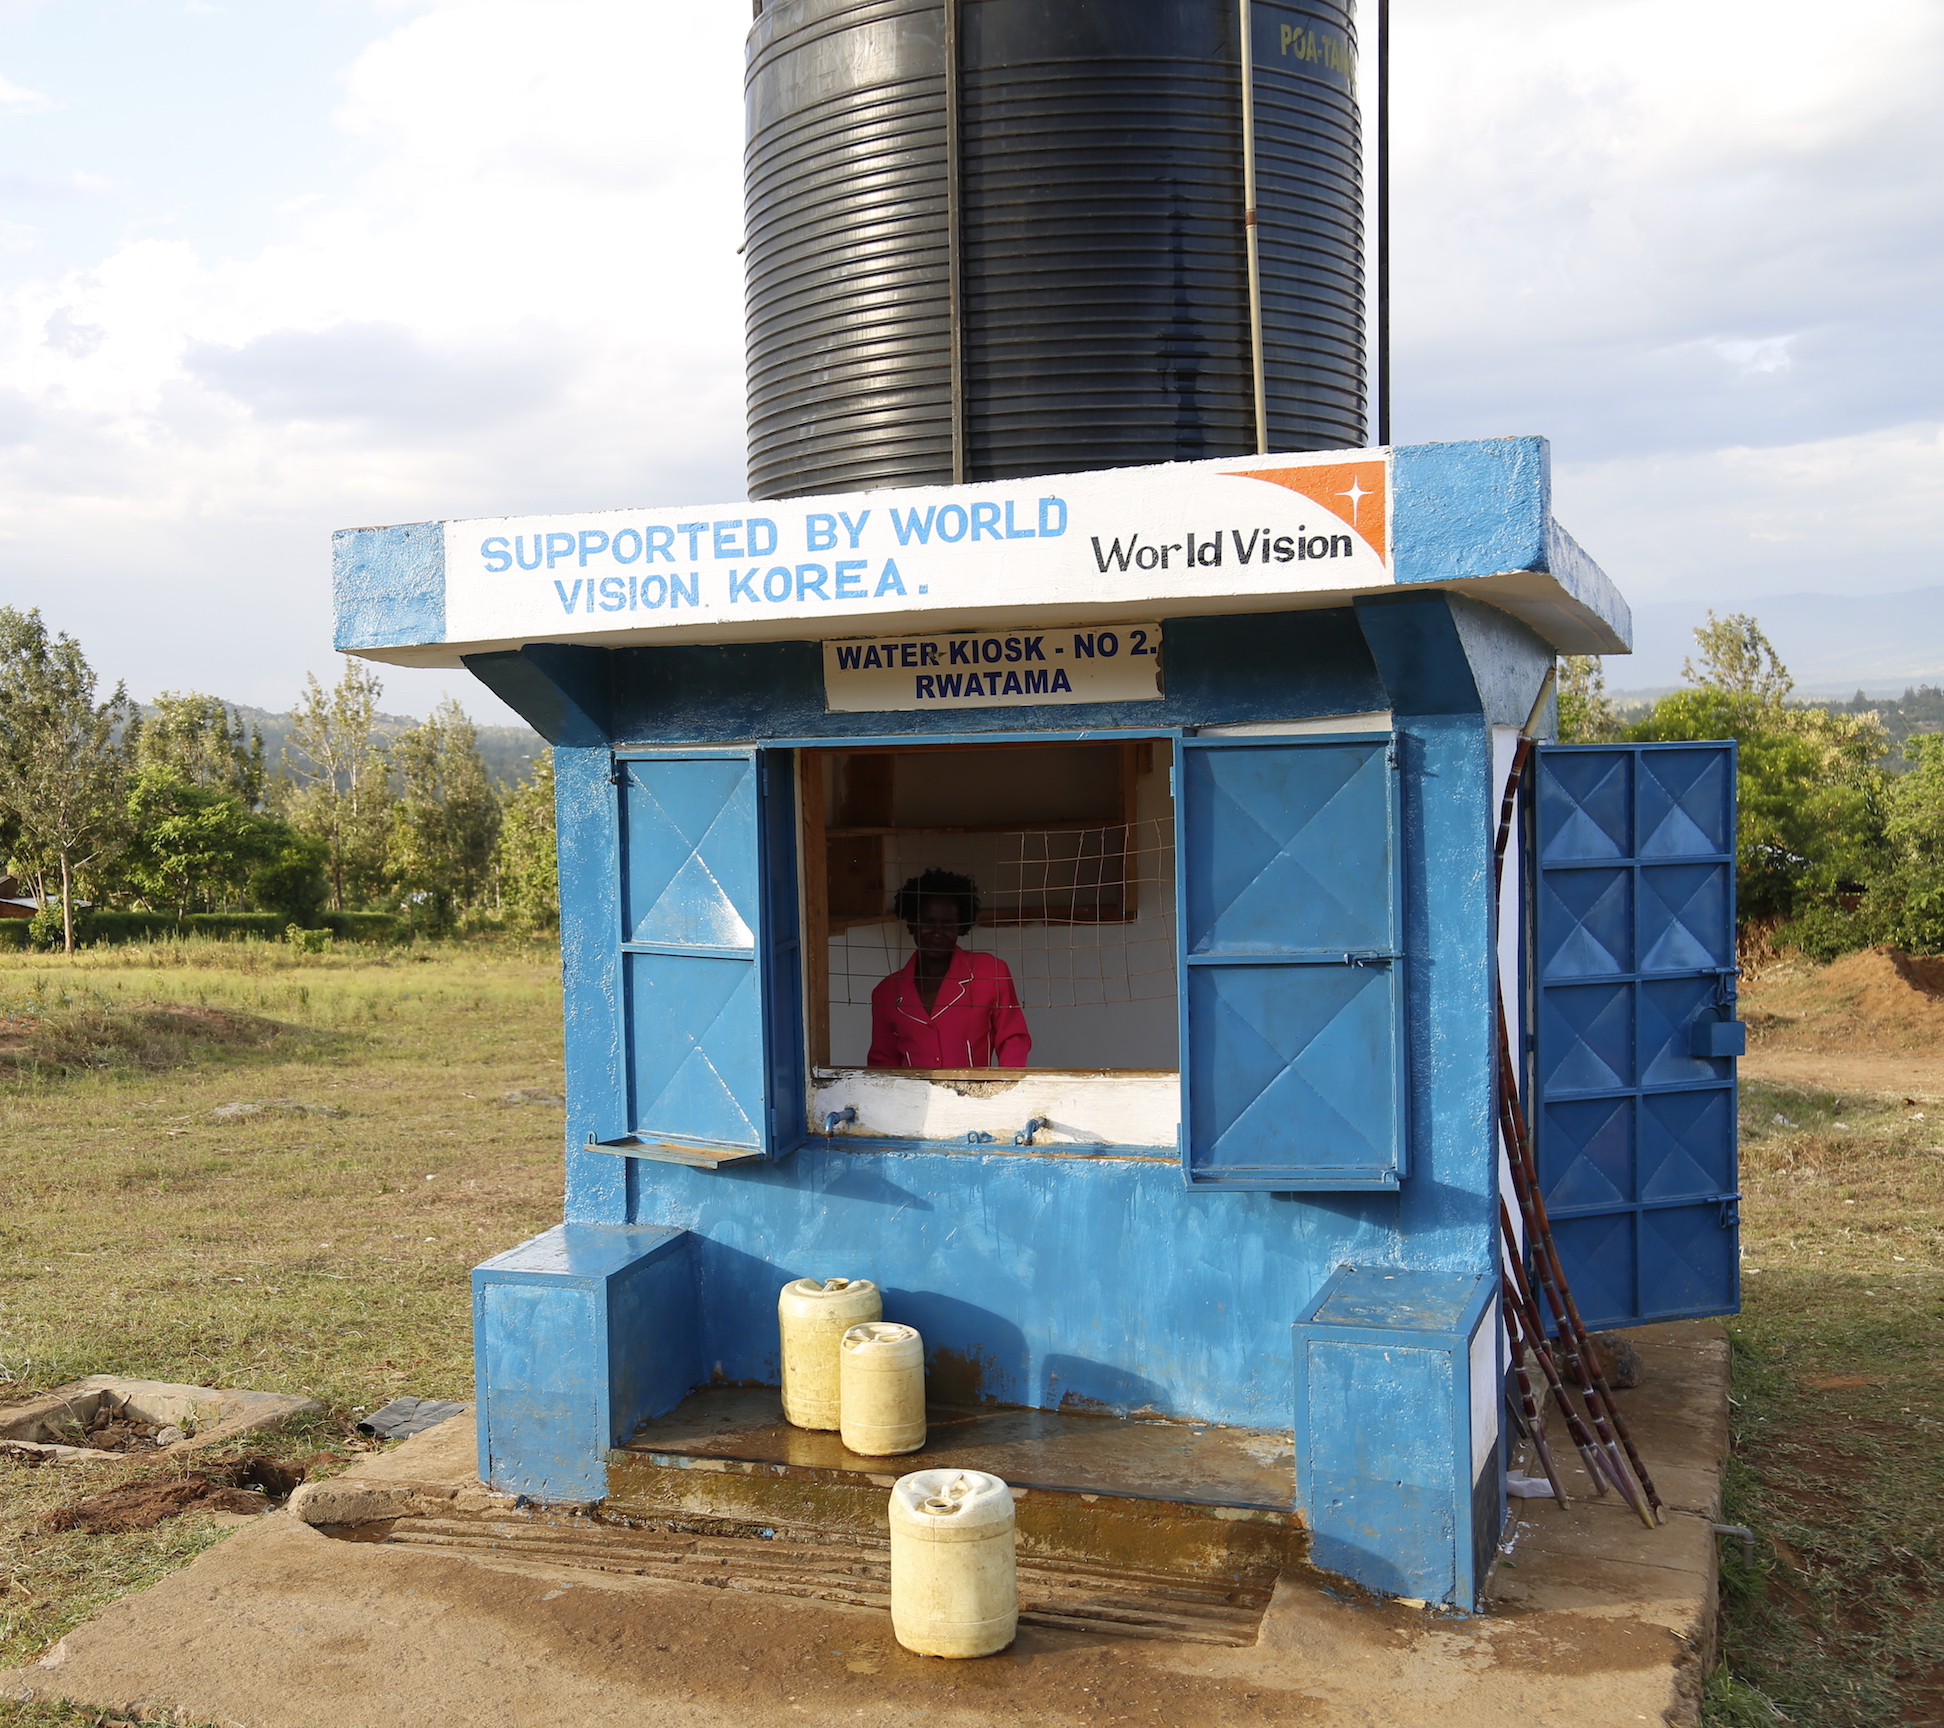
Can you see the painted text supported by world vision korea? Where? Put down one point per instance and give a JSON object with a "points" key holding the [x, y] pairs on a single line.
{"points": [[648, 588]]}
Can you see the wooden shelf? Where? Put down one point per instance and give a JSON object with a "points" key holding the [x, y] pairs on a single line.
{"points": [[984, 828]]}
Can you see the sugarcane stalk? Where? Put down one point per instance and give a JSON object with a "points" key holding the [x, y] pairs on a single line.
{"points": [[1526, 1304], [1598, 1396], [1600, 1402], [1534, 1416], [1570, 1340], [1510, 801]]}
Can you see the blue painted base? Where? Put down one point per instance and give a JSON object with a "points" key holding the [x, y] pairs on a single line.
{"points": [[579, 1335], [1406, 1507]]}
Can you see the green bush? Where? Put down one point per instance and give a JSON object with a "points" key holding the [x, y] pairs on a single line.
{"points": [[1825, 932], [362, 926], [267, 926], [134, 927], [103, 928], [47, 930], [308, 941], [292, 884]]}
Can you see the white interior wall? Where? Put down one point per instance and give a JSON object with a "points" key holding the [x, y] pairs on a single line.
{"points": [[1138, 1030]]}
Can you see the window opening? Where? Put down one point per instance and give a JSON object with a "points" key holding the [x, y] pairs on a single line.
{"points": [[1071, 849]]}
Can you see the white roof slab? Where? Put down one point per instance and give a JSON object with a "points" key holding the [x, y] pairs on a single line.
{"points": [[1189, 539]]}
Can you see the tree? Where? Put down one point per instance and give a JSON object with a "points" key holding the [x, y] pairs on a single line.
{"points": [[200, 741], [63, 762], [194, 846], [344, 794], [1586, 714], [526, 865], [1906, 906], [447, 818], [1737, 658], [1809, 793]]}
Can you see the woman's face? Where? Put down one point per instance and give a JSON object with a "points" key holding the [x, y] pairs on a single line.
{"points": [[935, 931]]}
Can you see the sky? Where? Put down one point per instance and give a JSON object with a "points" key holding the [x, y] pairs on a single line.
{"points": [[274, 267]]}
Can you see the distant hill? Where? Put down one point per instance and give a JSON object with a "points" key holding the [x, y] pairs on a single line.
{"points": [[508, 751], [1833, 644]]}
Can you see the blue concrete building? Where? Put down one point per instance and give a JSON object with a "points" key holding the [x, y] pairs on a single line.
{"points": [[1262, 1196]]}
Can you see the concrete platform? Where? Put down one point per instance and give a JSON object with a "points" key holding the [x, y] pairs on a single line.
{"points": [[1102, 1490], [456, 1606]]}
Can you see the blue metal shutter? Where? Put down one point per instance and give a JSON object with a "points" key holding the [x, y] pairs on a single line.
{"points": [[709, 942], [1292, 990], [1633, 1027]]}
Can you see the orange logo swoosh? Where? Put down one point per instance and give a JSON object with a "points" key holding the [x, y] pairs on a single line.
{"points": [[1352, 491]]}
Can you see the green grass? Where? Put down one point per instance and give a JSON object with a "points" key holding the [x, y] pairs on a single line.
{"points": [[312, 1254], [1837, 1417], [324, 1255]]}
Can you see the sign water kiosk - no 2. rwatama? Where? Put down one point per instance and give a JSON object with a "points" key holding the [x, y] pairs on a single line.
{"points": [[1219, 745]]}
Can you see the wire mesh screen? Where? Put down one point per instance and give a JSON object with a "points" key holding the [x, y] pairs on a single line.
{"points": [[1084, 916]]}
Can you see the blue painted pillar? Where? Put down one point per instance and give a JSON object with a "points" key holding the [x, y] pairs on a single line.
{"points": [[1447, 1211], [1385, 1510], [1409, 1505]]}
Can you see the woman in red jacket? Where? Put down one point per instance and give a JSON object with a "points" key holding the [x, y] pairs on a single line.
{"points": [[946, 1007]]}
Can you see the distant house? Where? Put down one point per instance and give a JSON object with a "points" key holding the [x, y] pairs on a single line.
{"points": [[12, 903]]}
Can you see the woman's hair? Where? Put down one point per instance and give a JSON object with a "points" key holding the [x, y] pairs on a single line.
{"points": [[939, 885]]}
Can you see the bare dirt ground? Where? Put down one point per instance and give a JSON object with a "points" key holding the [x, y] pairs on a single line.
{"points": [[1870, 1022]]}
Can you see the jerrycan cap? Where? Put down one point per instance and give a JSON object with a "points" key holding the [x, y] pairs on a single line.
{"points": [[942, 1500], [830, 1289], [871, 1332]]}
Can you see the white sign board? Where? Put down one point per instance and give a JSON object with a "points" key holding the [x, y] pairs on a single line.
{"points": [[1101, 546], [1001, 667]]}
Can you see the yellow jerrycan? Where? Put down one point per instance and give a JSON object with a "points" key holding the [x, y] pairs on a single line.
{"points": [[882, 1389], [813, 1314], [954, 1583]]}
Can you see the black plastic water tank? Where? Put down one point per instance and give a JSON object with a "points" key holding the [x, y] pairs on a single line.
{"points": [[1096, 222]]}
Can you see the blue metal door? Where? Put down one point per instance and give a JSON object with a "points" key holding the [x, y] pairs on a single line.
{"points": [[1292, 1051], [1634, 1031], [709, 945]]}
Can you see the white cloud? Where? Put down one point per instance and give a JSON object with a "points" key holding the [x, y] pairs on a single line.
{"points": [[1600, 202], [1701, 248], [530, 299], [19, 100], [1761, 354], [1862, 514], [1698, 247]]}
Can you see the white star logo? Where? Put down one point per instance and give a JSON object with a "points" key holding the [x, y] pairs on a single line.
{"points": [[1356, 495]]}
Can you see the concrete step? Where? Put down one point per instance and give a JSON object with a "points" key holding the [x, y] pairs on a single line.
{"points": [[1191, 1500], [1119, 1601]]}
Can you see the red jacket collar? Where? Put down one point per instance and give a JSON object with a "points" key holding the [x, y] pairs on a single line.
{"points": [[950, 988]]}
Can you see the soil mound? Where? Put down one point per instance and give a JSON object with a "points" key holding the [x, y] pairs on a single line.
{"points": [[143, 1505], [249, 1487], [162, 1035], [1878, 996]]}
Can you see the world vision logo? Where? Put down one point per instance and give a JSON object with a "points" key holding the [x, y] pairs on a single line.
{"points": [[1353, 491]]}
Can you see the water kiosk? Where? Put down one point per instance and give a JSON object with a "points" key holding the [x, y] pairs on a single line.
{"points": [[1187, 758], [1220, 744]]}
